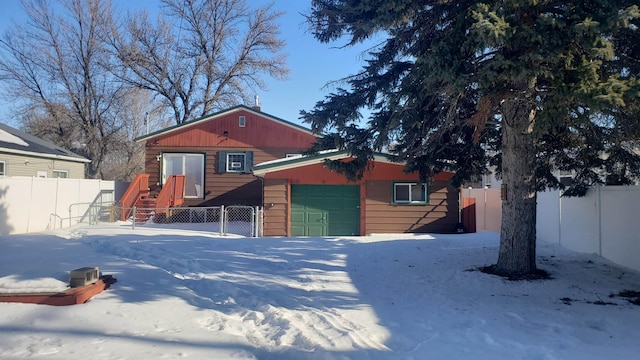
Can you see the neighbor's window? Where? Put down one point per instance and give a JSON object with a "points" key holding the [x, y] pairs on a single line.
{"points": [[3, 168], [409, 193], [60, 174], [242, 121], [565, 177]]}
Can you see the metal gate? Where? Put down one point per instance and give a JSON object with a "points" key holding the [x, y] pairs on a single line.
{"points": [[241, 220]]}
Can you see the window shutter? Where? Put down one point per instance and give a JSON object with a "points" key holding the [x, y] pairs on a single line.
{"points": [[248, 161], [222, 162]]}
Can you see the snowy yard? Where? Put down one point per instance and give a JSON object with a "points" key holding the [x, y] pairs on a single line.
{"points": [[192, 294]]}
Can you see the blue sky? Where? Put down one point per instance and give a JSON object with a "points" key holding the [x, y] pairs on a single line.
{"points": [[312, 64]]}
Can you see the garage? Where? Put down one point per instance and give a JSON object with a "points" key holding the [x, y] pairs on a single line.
{"points": [[302, 196], [325, 210]]}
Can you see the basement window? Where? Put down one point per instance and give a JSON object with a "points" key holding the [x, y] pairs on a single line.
{"points": [[3, 168], [410, 193]]}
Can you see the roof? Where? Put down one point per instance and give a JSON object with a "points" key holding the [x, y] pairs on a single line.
{"points": [[220, 114], [18, 142], [262, 169]]}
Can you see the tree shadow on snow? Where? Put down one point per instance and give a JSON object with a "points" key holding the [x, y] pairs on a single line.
{"points": [[264, 281], [418, 288]]}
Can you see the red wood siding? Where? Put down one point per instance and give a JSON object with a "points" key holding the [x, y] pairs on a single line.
{"points": [[276, 207], [378, 213], [219, 189], [317, 174], [259, 132], [383, 216]]}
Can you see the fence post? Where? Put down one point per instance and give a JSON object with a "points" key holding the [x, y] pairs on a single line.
{"points": [[559, 218], [133, 219], [599, 214], [257, 221], [222, 219], [252, 232]]}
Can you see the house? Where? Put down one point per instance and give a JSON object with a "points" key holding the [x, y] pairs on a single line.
{"points": [[216, 154], [22, 154], [302, 197]]}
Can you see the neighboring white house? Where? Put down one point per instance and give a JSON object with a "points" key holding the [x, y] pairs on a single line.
{"points": [[22, 154]]}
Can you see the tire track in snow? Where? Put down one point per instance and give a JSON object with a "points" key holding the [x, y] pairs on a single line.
{"points": [[237, 306]]}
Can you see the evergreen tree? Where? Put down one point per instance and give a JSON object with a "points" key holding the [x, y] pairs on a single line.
{"points": [[532, 86]]}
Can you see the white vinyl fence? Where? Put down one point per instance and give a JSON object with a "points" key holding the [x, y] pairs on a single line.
{"points": [[32, 204], [604, 222]]}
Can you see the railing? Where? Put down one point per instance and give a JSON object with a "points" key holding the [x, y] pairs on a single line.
{"points": [[91, 213], [172, 193], [138, 189]]}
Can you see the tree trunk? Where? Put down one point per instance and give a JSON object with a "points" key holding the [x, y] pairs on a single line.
{"points": [[517, 255]]}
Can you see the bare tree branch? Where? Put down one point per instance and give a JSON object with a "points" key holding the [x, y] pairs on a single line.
{"points": [[57, 70], [200, 55]]}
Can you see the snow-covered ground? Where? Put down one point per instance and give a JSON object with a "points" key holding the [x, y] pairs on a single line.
{"points": [[191, 294]]}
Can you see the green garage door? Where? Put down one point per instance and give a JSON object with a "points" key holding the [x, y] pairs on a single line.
{"points": [[325, 210]]}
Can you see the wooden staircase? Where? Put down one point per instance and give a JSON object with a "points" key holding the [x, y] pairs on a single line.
{"points": [[148, 208]]}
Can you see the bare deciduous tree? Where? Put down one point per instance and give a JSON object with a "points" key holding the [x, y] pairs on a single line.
{"points": [[83, 80], [139, 114], [54, 71], [200, 55]]}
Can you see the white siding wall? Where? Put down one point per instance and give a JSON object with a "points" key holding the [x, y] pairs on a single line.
{"points": [[23, 165]]}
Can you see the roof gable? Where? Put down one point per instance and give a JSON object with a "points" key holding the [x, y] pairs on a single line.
{"points": [[220, 115], [18, 142], [383, 161]]}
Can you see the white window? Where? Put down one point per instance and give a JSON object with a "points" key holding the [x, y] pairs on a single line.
{"points": [[3, 168], [60, 174], [189, 165], [409, 193], [242, 121]]}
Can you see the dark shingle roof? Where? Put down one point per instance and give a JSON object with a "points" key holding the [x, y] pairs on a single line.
{"points": [[19, 142]]}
